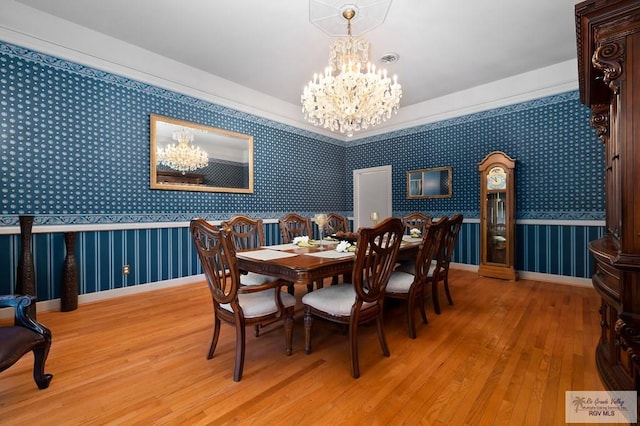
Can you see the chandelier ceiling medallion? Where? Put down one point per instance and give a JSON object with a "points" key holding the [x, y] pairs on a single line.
{"points": [[351, 94], [182, 156]]}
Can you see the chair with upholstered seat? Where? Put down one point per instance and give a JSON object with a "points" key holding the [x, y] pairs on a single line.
{"points": [[363, 301], [416, 220], [410, 286], [336, 223], [454, 224], [292, 226], [25, 335], [233, 303], [247, 234]]}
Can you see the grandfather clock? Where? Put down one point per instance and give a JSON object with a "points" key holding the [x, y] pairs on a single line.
{"points": [[609, 75], [497, 216]]}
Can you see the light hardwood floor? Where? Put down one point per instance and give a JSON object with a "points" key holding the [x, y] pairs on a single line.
{"points": [[505, 353]]}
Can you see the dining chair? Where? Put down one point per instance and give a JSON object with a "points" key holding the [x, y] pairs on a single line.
{"points": [[294, 225], [291, 226], [453, 226], [247, 234], [336, 223], [416, 220], [234, 303], [25, 335], [410, 286], [363, 301]]}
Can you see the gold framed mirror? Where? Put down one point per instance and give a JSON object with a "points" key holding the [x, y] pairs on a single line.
{"points": [[188, 156], [429, 183]]}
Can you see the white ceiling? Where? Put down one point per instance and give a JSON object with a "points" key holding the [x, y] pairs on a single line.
{"points": [[269, 46]]}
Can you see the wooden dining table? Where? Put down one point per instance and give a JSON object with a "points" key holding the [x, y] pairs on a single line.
{"points": [[306, 265]]}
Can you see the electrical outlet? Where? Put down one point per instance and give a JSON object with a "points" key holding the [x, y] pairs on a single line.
{"points": [[126, 269]]}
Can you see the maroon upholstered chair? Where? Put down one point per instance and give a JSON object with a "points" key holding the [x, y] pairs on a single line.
{"points": [[26, 335], [363, 301], [233, 303]]}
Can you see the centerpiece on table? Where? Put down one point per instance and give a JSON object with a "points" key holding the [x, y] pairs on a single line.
{"points": [[303, 241]]}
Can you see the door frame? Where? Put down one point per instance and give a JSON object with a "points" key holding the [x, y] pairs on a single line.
{"points": [[357, 187]]}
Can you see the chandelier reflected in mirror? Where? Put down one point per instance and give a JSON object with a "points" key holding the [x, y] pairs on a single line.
{"points": [[350, 95], [182, 156]]}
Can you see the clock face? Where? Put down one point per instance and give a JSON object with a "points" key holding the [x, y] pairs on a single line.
{"points": [[496, 178]]}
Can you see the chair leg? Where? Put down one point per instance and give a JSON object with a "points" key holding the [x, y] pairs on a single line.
{"points": [[446, 290], [420, 300], [214, 339], [381, 336], [39, 359], [434, 296], [308, 326], [411, 304], [288, 330], [353, 347], [240, 339]]}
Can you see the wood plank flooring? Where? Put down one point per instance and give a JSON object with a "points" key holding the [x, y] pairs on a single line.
{"points": [[504, 354]]}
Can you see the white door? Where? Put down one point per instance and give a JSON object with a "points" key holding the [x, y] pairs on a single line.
{"points": [[371, 193]]}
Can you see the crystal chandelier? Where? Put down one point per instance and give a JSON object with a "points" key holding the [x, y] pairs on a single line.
{"points": [[182, 156], [358, 97]]}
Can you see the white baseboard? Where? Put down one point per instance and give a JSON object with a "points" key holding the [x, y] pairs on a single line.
{"points": [[54, 304], [535, 276]]}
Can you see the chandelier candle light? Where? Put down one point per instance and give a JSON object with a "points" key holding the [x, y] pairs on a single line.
{"points": [[358, 97], [182, 156]]}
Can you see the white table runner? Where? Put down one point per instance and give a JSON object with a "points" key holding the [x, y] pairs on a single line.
{"points": [[265, 254], [289, 246], [410, 239], [330, 254]]}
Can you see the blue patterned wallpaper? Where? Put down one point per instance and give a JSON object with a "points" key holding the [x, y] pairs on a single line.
{"points": [[74, 149], [560, 161]]}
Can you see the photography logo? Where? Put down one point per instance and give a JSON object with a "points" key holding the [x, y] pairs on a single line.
{"points": [[601, 407]]}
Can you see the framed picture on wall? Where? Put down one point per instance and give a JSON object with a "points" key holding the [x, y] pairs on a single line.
{"points": [[430, 183]]}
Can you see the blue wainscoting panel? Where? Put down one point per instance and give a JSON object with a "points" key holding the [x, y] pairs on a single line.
{"points": [[168, 253], [556, 249], [467, 248]]}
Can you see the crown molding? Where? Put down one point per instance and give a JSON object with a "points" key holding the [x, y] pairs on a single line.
{"points": [[36, 30]]}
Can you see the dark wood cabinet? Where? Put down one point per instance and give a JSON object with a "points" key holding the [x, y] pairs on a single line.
{"points": [[608, 41]]}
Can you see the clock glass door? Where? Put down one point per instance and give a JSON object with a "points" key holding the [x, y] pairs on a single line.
{"points": [[496, 227]]}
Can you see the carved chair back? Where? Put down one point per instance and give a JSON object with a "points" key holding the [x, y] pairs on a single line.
{"points": [[294, 225], [376, 254], [337, 223], [246, 233], [416, 220]]}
